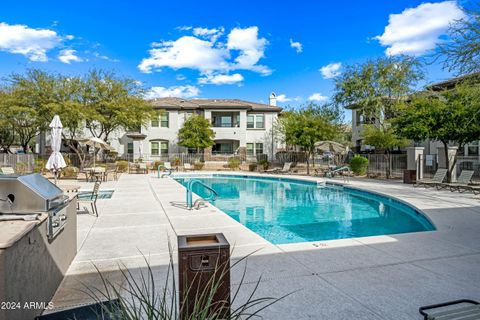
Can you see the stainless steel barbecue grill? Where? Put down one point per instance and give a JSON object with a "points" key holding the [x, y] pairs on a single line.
{"points": [[31, 194]]}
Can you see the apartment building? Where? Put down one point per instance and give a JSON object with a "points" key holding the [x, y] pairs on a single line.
{"points": [[241, 128]]}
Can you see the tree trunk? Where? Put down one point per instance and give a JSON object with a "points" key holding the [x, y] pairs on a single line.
{"points": [[308, 163], [388, 168]]}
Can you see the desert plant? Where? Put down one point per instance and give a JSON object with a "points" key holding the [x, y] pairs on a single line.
{"points": [[176, 162], [252, 167], [21, 168], [157, 163], [39, 165], [233, 163], [139, 298], [359, 165], [69, 172], [122, 165], [198, 165], [265, 164]]}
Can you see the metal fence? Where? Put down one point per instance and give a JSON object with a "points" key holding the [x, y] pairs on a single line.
{"points": [[469, 163], [378, 164], [20, 162]]}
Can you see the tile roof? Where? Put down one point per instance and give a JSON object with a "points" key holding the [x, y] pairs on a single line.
{"points": [[234, 104]]}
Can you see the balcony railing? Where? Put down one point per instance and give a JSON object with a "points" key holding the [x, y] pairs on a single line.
{"points": [[226, 125]]}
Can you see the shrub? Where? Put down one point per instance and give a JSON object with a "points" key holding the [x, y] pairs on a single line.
{"points": [[39, 165], [252, 167], [233, 163], [157, 163], [21, 168], [69, 172], [198, 165], [359, 165], [175, 162], [265, 164], [122, 165]]}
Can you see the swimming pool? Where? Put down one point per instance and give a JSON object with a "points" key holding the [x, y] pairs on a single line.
{"points": [[283, 210]]}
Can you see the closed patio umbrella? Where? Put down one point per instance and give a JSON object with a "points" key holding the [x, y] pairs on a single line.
{"points": [[56, 162]]}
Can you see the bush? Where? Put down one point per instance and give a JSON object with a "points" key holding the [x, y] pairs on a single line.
{"points": [[39, 165], [175, 162], [21, 168], [122, 165], [69, 172], [157, 163], [359, 165], [265, 164], [233, 163], [252, 167], [198, 165]]}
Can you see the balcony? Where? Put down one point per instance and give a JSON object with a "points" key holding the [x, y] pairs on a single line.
{"points": [[226, 119]]}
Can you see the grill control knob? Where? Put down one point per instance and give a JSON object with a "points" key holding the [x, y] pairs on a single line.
{"points": [[55, 223], [63, 217]]}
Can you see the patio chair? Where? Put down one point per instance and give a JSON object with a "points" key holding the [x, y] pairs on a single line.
{"points": [[467, 309], [111, 169], [7, 170], [143, 168], [91, 200], [462, 181], [167, 165], [188, 167], [286, 169], [437, 179]]}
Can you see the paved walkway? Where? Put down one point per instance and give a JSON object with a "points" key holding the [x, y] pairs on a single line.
{"points": [[381, 277]]}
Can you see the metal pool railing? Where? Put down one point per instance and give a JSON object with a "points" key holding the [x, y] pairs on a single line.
{"points": [[213, 194]]}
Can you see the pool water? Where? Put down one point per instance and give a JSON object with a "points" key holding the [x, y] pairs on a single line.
{"points": [[102, 194], [288, 211]]}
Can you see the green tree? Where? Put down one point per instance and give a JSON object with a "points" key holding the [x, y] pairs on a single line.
{"points": [[7, 130], [112, 103], [308, 125], [196, 133], [377, 89], [461, 53], [451, 117]]}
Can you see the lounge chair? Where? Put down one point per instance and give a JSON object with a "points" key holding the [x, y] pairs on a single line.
{"points": [[436, 180], [112, 168], [142, 168], [91, 200], [462, 181], [187, 166], [7, 170], [467, 309], [286, 169], [331, 173]]}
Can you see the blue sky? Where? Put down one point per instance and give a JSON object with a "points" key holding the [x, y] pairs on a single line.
{"points": [[220, 49]]}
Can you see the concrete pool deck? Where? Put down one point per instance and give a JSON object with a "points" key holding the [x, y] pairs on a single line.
{"points": [[379, 277]]}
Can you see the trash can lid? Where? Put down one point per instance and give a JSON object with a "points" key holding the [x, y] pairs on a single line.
{"points": [[202, 241]]}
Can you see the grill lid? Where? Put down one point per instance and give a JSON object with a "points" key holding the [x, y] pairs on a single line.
{"points": [[41, 186]]}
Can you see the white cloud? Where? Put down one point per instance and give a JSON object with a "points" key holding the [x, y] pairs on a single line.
{"points": [[318, 97], [296, 45], [251, 49], [69, 55], [331, 70], [180, 77], [221, 79], [32, 43], [417, 30], [283, 98], [211, 34], [187, 91], [186, 52], [204, 52]]}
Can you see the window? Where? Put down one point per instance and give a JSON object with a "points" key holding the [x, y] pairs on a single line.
{"points": [[226, 122], [249, 149], [255, 121], [164, 120], [254, 149], [155, 123], [130, 148], [259, 121], [164, 147], [154, 148], [258, 148]]}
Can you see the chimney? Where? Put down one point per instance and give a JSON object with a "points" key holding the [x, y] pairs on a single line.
{"points": [[272, 99]]}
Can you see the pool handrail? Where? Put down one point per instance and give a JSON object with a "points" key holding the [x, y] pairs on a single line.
{"points": [[191, 183], [166, 169]]}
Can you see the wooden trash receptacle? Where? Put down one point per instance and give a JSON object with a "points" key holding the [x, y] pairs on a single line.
{"points": [[409, 176], [203, 271]]}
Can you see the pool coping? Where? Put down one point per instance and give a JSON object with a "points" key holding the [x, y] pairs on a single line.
{"points": [[313, 180]]}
